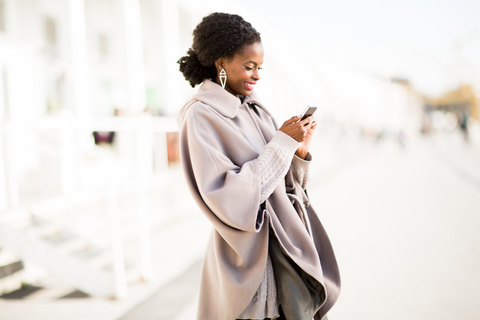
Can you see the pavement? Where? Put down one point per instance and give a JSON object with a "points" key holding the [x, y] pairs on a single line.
{"points": [[405, 228], [178, 238], [404, 223]]}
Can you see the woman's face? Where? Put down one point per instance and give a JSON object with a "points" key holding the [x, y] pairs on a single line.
{"points": [[242, 69]]}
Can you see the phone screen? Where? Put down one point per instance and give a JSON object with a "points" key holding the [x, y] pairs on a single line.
{"points": [[308, 112]]}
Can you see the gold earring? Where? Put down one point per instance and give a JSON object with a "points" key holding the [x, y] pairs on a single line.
{"points": [[223, 77]]}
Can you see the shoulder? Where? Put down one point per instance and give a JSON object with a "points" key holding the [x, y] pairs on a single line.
{"points": [[204, 120], [201, 114], [199, 111], [194, 109]]}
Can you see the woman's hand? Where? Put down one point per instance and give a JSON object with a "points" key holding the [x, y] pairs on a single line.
{"points": [[298, 130], [305, 145]]}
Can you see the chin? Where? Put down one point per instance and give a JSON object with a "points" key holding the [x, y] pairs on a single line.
{"points": [[246, 92]]}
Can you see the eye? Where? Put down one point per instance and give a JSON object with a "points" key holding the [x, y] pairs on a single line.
{"points": [[248, 68]]}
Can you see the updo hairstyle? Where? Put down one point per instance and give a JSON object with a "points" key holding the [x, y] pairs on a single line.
{"points": [[217, 35]]}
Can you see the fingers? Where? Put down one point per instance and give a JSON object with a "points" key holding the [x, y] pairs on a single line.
{"points": [[304, 127], [297, 129], [293, 119], [306, 121]]}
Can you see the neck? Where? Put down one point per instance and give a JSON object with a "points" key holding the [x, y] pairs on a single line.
{"points": [[227, 88]]}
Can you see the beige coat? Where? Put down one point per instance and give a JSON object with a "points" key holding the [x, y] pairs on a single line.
{"points": [[219, 150]]}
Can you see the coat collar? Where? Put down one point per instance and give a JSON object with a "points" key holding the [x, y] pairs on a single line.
{"points": [[221, 100]]}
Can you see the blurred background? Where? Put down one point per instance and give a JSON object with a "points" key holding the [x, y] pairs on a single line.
{"points": [[96, 221]]}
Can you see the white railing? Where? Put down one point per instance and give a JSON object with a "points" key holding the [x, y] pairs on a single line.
{"points": [[73, 140]]}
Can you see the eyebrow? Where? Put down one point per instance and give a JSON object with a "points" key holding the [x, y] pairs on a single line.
{"points": [[253, 62]]}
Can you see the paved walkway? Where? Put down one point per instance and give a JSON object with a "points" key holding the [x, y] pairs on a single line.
{"points": [[406, 232], [405, 228], [171, 301], [404, 225]]}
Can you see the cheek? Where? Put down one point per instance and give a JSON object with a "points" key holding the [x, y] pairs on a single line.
{"points": [[237, 73], [241, 75]]}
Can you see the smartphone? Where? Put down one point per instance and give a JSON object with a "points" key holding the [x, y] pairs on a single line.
{"points": [[308, 112]]}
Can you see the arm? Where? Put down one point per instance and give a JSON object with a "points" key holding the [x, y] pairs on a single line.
{"points": [[301, 161], [275, 161], [276, 158], [300, 169]]}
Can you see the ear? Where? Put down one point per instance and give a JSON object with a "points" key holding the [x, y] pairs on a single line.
{"points": [[220, 64]]}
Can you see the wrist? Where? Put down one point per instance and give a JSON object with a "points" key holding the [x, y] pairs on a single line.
{"points": [[301, 154]]}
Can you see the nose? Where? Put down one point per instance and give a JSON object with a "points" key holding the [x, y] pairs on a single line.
{"points": [[256, 75]]}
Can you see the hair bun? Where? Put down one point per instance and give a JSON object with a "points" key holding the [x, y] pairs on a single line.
{"points": [[193, 70]]}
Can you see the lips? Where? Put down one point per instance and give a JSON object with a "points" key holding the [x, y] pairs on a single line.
{"points": [[250, 85]]}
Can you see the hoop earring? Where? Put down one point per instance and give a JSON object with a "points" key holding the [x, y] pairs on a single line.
{"points": [[223, 77]]}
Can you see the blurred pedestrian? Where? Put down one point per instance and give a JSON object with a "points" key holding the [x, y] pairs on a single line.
{"points": [[268, 255], [463, 124]]}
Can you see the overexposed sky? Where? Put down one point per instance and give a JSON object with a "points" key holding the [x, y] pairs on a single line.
{"points": [[434, 44]]}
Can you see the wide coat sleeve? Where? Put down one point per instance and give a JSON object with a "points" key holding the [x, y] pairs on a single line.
{"points": [[222, 167]]}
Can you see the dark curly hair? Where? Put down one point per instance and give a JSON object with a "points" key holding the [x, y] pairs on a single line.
{"points": [[217, 35]]}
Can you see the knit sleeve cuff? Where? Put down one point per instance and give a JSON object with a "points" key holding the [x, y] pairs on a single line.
{"points": [[285, 142], [302, 164]]}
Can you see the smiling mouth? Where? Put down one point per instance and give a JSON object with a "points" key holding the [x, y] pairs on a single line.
{"points": [[250, 85]]}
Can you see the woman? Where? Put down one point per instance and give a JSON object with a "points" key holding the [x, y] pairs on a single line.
{"points": [[268, 255]]}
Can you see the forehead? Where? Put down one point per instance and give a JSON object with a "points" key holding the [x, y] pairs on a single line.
{"points": [[251, 52]]}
